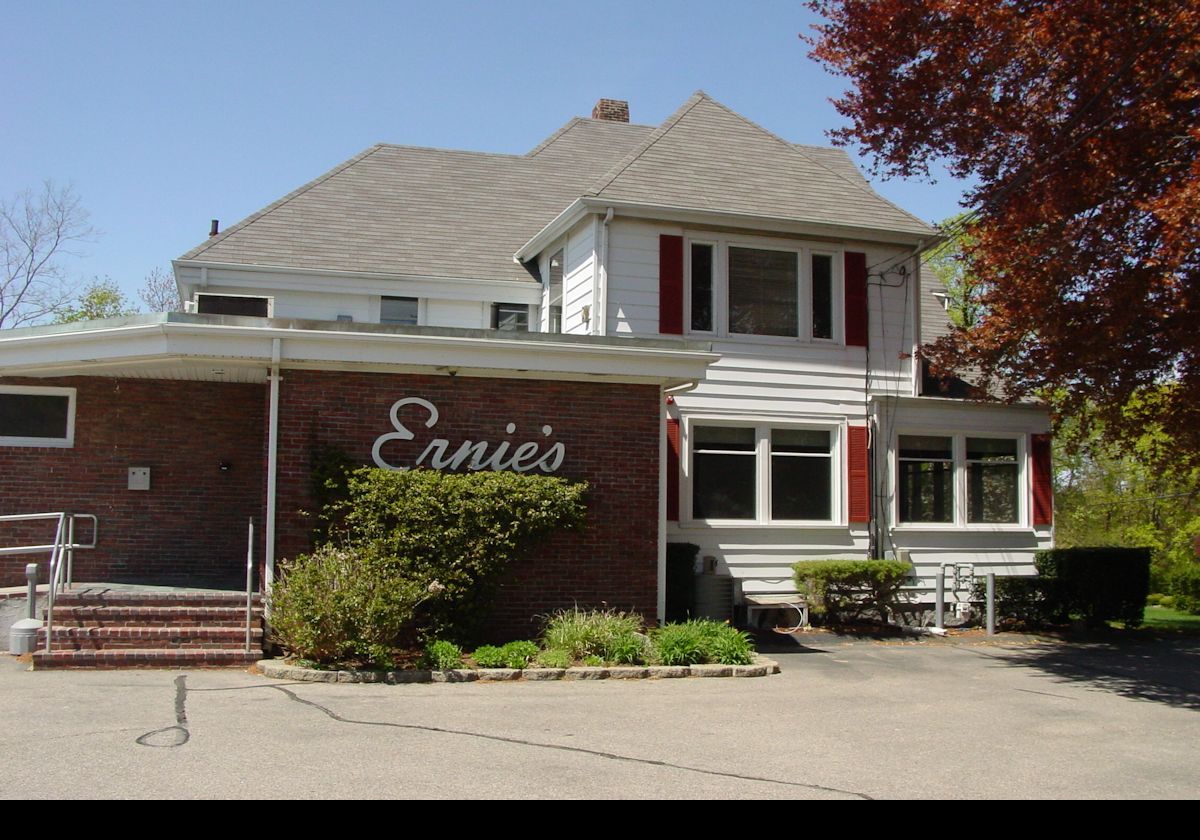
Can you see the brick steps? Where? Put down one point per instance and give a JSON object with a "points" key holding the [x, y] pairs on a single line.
{"points": [[106, 637], [145, 658], [132, 616], [110, 628]]}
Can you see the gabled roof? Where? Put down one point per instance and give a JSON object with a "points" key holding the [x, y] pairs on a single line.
{"points": [[425, 212], [707, 157], [420, 212]]}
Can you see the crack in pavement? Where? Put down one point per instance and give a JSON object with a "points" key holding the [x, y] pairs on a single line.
{"points": [[171, 736], [561, 748]]}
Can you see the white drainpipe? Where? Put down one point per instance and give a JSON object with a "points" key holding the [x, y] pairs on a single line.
{"points": [[600, 317], [272, 467]]}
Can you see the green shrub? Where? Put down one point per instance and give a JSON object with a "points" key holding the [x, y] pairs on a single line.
{"points": [[593, 661], [441, 655], [1019, 600], [1097, 584], [519, 654], [463, 530], [343, 604], [584, 633], [488, 656], [731, 647], [680, 644], [844, 590], [626, 649], [553, 658], [1185, 589]]}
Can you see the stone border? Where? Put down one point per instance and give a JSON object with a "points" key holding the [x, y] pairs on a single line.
{"points": [[279, 670]]}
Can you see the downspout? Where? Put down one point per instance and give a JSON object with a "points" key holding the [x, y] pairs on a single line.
{"points": [[666, 396], [600, 321], [272, 468]]}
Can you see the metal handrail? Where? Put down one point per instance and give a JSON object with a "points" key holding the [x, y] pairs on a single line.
{"points": [[62, 553], [249, 581]]}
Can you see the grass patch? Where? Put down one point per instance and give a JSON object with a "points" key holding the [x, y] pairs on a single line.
{"points": [[1163, 618]]}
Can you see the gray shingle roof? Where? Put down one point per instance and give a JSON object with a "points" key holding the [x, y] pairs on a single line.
{"points": [[707, 157], [406, 210]]}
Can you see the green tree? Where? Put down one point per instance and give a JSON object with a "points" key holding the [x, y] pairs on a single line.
{"points": [[949, 264], [101, 298]]}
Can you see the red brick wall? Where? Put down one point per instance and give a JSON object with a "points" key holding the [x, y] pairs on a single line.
{"points": [[190, 525], [611, 437]]}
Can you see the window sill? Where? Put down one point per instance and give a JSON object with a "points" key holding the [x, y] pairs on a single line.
{"points": [[40, 443], [913, 528], [734, 524]]}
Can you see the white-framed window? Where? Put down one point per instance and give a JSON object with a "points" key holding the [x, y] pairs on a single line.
{"points": [[212, 303], [960, 479], [400, 311], [37, 416], [765, 289], [510, 317], [763, 473]]}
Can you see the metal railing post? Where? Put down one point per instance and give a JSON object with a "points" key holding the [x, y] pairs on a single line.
{"points": [[939, 604], [70, 548], [249, 581]]}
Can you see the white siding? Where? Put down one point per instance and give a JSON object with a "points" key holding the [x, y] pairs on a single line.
{"points": [[633, 276], [579, 271], [457, 313]]}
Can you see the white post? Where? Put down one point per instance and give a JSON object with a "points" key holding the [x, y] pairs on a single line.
{"points": [[939, 608], [272, 469], [991, 603], [249, 580], [31, 576]]}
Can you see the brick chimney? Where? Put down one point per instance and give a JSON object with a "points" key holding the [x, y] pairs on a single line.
{"points": [[613, 110]]}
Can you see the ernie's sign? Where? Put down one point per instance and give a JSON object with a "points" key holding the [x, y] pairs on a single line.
{"points": [[471, 455]]}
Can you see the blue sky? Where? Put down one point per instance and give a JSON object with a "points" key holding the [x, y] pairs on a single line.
{"points": [[165, 115]]}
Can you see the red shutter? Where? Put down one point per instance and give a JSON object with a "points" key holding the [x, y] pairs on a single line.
{"points": [[1043, 484], [670, 285], [858, 473], [856, 299], [672, 470]]}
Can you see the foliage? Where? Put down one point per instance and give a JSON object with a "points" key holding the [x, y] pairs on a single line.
{"points": [[100, 299], [584, 633], [160, 293], [1022, 600], [843, 590], [553, 658], [37, 230], [1079, 122], [1184, 584], [946, 260], [1164, 618], [463, 530], [627, 649], [1136, 494], [512, 655], [699, 641], [1097, 584], [442, 655], [344, 603]]}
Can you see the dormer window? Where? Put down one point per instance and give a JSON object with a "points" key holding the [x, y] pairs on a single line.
{"points": [[759, 288], [398, 311], [510, 317]]}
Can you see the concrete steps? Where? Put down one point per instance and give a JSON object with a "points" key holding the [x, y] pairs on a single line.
{"points": [[124, 628]]}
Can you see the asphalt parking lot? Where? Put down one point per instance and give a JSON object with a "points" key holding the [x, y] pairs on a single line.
{"points": [[845, 720]]}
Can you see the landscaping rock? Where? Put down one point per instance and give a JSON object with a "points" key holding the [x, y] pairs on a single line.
{"points": [[669, 672], [629, 672], [712, 670], [456, 675], [405, 677], [542, 674], [586, 673], [499, 674]]}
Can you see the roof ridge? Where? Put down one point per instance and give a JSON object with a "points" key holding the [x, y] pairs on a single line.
{"points": [[275, 205], [553, 137], [865, 186], [605, 180]]}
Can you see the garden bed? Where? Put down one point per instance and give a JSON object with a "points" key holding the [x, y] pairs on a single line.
{"points": [[280, 669]]}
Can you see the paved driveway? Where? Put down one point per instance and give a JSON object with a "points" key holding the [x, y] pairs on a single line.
{"points": [[843, 720]]}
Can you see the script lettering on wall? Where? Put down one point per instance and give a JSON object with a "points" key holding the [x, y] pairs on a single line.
{"points": [[472, 455]]}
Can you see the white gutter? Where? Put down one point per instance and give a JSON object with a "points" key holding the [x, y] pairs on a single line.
{"points": [[546, 236], [272, 468], [662, 509]]}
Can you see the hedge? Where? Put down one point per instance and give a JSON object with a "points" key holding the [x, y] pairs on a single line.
{"points": [[843, 590]]}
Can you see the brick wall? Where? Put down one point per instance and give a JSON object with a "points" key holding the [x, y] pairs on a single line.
{"points": [[190, 525], [611, 437]]}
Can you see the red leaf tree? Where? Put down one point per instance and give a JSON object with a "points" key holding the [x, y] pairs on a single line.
{"points": [[1080, 121]]}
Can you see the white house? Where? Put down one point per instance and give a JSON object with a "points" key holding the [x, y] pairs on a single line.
{"points": [[768, 297]]}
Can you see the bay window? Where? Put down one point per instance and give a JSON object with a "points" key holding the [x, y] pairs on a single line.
{"points": [[763, 473], [959, 479], [763, 288]]}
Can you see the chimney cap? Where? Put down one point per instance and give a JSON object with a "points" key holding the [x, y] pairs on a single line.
{"points": [[612, 110]]}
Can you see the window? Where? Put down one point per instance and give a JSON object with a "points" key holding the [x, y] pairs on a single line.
{"points": [[399, 311], [959, 479], [762, 474], [777, 290], [554, 293], [34, 416], [512, 317], [209, 304]]}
